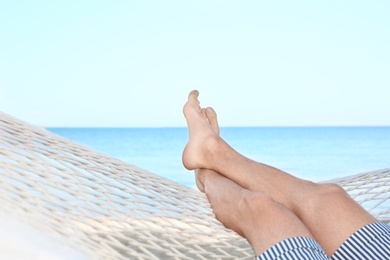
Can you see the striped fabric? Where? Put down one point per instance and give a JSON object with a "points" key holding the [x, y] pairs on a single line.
{"points": [[372, 242], [295, 248], [369, 242]]}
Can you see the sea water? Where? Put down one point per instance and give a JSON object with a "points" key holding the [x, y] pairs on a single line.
{"points": [[314, 153]]}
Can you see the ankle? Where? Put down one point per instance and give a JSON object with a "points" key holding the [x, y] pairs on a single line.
{"points": [[209, 153]]}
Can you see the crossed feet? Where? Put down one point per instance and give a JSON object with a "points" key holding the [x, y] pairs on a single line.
{"points": [[200, 155], [203, 137]]}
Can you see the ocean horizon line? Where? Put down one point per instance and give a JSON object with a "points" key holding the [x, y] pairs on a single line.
{"points": [[178, 127]]}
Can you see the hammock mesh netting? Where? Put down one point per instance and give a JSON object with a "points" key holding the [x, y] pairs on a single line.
{"points": [[108, 209]]}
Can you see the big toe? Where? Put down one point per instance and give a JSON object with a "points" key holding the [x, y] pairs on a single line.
{"points": [[193, 97], [192, 103], [193, 93]]}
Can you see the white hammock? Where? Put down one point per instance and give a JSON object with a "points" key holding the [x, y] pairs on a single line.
{"points": [[107, 209]]}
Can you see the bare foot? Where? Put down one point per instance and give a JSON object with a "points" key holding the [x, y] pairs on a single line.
{"points": [[212, 119], [203, 133]]}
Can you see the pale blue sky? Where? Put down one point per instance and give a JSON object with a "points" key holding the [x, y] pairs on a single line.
{"points": [[132, 63]]}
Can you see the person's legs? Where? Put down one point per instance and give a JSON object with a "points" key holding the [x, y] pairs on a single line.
{"points": [[326, 210], [253, 215]]}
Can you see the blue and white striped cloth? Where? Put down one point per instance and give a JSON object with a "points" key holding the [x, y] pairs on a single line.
{"points": [[295, 248], [371, 242]]}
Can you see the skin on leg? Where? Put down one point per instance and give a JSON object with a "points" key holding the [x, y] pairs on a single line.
{"points": [[326, 210], [253, 215]]}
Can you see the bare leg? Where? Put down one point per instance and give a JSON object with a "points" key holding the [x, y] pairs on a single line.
{"points": [[326, 210], [254, 215]]}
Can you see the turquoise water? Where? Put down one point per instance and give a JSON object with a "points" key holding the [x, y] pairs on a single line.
{"points": [[315, 153]]}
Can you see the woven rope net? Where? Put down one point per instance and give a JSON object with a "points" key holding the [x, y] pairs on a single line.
{"points": [[108, 209]]}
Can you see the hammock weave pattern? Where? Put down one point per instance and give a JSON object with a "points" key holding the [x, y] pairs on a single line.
{"points": [[108, 209]]}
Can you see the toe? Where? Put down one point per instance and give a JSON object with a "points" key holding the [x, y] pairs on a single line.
{"points": [[203, 110], [192, 103], [193, 97], [193, 93]]}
